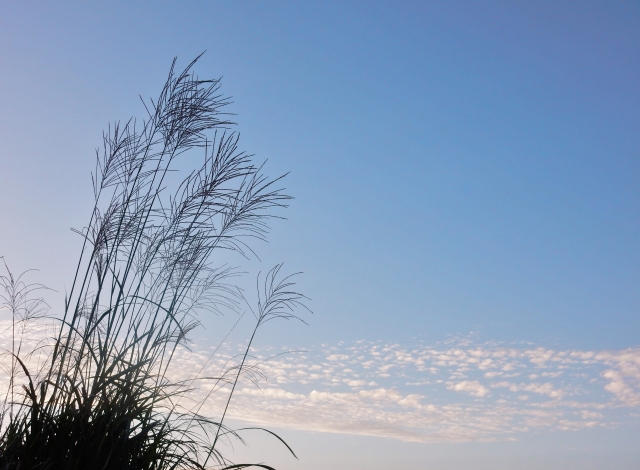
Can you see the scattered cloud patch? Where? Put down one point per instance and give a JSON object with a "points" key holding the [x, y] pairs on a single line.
{"points": [[456, 391], [449, 392]]}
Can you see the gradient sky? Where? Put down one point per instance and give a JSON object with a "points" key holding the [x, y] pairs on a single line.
{"points": [[466, 177]]}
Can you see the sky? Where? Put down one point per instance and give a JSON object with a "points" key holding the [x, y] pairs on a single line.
{"points": [[466, 214]]}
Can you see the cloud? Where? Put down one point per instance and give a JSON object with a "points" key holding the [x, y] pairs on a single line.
{"points": [[541, 388], [624, 375], [455, 391], [449, 392], [473, 388], [337, 357]]}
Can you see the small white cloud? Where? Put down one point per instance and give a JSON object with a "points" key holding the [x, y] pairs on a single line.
{"points": [[472, 388], [356, 383], [337, 357]]}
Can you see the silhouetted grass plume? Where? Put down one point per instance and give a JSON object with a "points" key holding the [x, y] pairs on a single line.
{"points": [[101, 396]]}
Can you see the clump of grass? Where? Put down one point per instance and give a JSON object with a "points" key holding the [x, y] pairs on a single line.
{"points": [[102, 397]]}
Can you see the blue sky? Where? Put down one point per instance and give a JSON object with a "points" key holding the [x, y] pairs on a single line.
{"points": [[464, 172]]}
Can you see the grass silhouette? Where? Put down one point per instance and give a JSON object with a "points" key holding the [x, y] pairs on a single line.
{"points": [[102, 397]]}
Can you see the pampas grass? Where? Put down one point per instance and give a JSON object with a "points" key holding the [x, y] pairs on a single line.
{"points": [[101, 396]]}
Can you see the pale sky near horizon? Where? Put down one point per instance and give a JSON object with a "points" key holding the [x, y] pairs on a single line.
{"points": [[466, 179]]}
